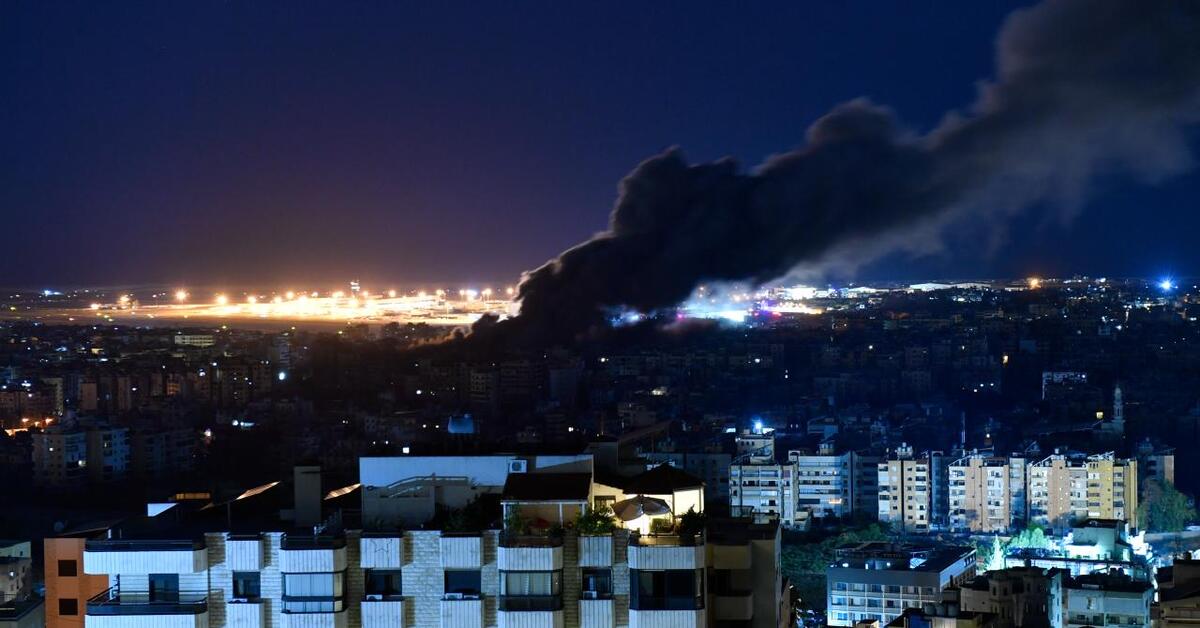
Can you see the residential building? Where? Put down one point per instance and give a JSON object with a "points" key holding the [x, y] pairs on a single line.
{"points": [[824, 482], [19, 606], [987, 493], [71, 457], [1020, 597], [905, 491], [68, 588], [1179, 595], [1066, 488], [1102, 599], [877, 581], [209, 563]]}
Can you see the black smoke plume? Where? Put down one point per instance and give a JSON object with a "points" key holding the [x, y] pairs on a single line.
{"points": [[1082, 87]]}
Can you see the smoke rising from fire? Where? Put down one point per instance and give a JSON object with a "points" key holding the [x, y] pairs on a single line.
{"points": [[1081, 88]]}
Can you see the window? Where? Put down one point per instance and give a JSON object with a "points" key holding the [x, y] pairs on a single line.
{"points": [[596, 583], [528, 583], [67, 569], [674, 589], [246, 586], [314, 592], [382, 583], [462, 583], [530, 590], [164, 587], [68, 606]]}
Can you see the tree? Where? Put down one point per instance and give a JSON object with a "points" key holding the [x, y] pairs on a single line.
{"points": [[1032, 537], [1163, 508], [806, 557], [995, 561]]}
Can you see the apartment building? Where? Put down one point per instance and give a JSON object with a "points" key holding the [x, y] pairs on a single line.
{"points": [[71, 457], [877, 581], [824, 481], [765, 490], [1102, 599], [461, 570], [68, 588], [905, 491], [987, 493], [20, 607], [1066, 488]]}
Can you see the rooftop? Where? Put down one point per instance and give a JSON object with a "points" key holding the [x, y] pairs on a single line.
{"points": [[900, 557]]}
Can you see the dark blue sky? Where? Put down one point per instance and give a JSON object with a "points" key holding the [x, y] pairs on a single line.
{"points": [[254, 142]]}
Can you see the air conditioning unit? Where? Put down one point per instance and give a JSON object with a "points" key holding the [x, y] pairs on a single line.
{"points": [[518, 466], [373, 597], [454, 596]]}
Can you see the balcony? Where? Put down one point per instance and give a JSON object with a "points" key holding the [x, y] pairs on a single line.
{"points": [[596, 613], [245, 615], [381, 550], [312, 554], [116, 608], [541, 611], [383, 612], [314, 620], [462, 552], [667, 618], [244, 553], [118, 556], [529, 552], [462, 613], [596, 551], [666, 551]]}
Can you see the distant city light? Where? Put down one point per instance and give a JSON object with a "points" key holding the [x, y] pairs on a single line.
{"points": [[181, 295], [1166, 285], [222, 299], [282, 376]]}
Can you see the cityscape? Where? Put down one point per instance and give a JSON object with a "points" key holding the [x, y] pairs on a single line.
{"points": [[841, 388]]}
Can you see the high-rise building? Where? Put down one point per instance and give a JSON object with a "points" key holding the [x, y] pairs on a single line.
{"points": [[905, 491], [193, 564], [1067, 488], [987, 493], [824, 482]]}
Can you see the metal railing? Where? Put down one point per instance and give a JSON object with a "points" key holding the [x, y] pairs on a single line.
{"points": [[143, 545], [511, 539], [115, 601], [290, 542], [666, 539]]}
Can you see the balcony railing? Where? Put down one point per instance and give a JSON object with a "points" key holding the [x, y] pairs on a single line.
{"points": [[665, 603], [508, 539], [522, 603], [143, 545], [115, 601], [290, 542], [666, 540]]}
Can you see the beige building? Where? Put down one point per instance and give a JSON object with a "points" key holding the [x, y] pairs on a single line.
{"points": [[987, 493], [905, 491], [1064, 489]]}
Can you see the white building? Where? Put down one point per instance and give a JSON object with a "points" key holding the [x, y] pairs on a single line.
{"points": [[877, 581], [824, 483], [530, 575], [1108, 600]]}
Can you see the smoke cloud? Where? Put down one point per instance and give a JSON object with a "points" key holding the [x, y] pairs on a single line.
{"points": [[1081, 88]]}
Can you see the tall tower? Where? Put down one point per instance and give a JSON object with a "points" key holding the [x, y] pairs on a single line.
{"points": [[1118, 407]]}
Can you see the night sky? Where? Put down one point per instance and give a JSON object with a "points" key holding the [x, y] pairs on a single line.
{"points": [[254, 143]]}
